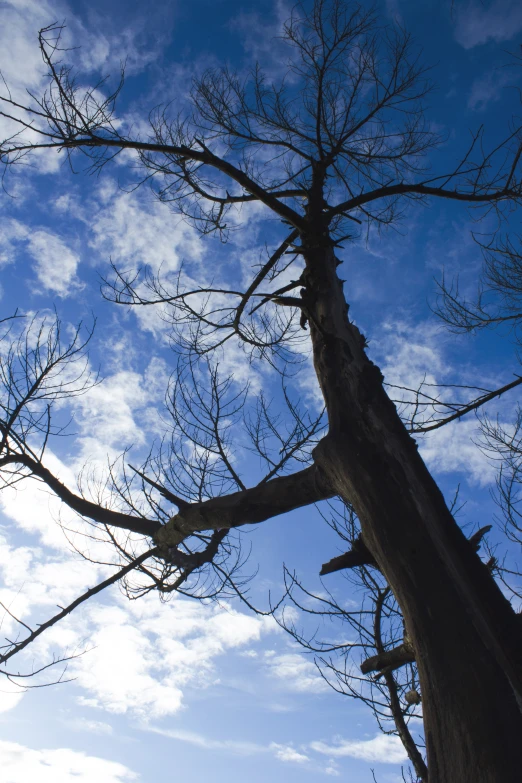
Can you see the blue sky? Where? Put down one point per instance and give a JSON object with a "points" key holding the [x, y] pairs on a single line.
{"points": [[182, 689]]}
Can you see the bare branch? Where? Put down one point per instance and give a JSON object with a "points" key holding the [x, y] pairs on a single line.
{"points": [[278, 496], [83, 507], [19, 646]]}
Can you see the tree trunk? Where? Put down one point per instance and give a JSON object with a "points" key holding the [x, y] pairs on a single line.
{"points": [[466, 636]]}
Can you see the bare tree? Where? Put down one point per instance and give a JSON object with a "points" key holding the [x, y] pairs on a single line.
{"points": [[342, 144]]}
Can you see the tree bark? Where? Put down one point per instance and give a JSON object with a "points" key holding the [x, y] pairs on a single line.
{"points": [[247, 507], [358, 555], [464, 632], [389, 659]]}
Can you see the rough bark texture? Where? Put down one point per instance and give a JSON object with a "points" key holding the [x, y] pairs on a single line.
{"points": [[465, 634]]}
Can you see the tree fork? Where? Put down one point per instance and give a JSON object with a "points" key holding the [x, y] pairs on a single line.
{"points": [[465, 634]]}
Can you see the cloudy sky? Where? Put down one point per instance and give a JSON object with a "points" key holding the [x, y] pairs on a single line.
{"points": [[186, 690]]}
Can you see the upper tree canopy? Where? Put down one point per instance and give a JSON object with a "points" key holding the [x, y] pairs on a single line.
{"points": [[338, 142]]}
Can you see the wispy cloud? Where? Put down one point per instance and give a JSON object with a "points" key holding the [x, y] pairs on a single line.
{"points": [[141, 657], [393, 10], [478, 22], [488, 89], [452, 449], [35, 510], [287, 753], [295, 673], [282, 752], [91, 726], [411, 356], [261, 37], [382, 748], [53, 260], [100, 45], [135, 229], [55, 263], [13, 232], [235, 747]]}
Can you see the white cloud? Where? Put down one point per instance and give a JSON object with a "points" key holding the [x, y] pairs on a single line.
{"points": [[140, 656], [55, 263], [451, 448], [134, 229], [411, 355], [21, 20], [21, 764], [477, 22], [124, 671], [114, 414], [22, 64], [233, 362], [108, 414], [411, 352], [13, 231], [54, 578], [261, 38], [10, 695], [99, 45], [95, 47], [415, 355], [296, 673], [147, 653], [331, 770], [35, 509], [287, 753], [382, 748]]}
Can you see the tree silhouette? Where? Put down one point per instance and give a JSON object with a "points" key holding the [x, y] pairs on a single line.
{"points": [[341, 144]]}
